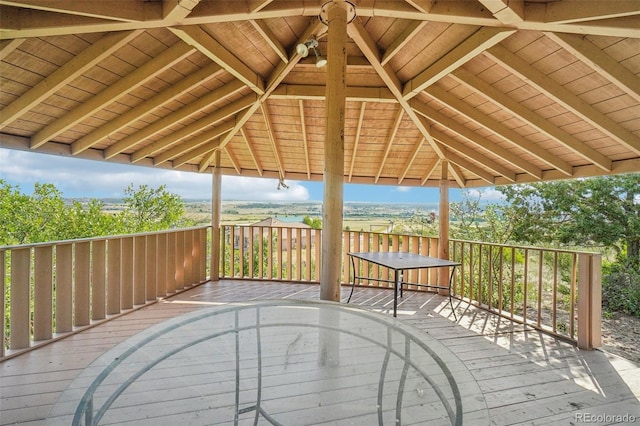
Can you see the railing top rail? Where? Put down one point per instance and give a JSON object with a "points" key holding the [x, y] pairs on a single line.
{"points": [[550, 249], [105, 237]]}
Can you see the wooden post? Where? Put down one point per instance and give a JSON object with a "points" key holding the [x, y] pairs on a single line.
{"points": [[215, 219], [589, 301], [443, 246], [335, 99]]}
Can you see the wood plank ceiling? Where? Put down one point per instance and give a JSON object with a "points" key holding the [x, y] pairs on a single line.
{"points": [[498, 91]]}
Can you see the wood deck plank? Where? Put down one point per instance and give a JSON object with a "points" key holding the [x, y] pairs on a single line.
{"points": [[526, 376]]}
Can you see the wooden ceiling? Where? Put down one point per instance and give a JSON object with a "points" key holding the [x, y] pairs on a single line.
{"points": [[499, 91]]}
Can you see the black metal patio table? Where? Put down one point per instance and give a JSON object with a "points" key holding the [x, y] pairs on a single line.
{"points": [[399, 262]]}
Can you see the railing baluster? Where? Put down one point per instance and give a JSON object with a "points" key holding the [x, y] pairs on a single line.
{"points": [[43, 293]]}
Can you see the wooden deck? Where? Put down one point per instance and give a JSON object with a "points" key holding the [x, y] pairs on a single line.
{"points": [[526, 377]]}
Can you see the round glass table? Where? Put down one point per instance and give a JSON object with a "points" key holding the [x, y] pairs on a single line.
{"points": [[280, 362]]}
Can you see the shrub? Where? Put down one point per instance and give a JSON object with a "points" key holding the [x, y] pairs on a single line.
{"points": [[621, 290]]}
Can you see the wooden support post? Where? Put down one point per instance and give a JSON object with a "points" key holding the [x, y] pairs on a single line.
{"points": [[334, 152], [443, 246], [589, 301], [215, 219]]}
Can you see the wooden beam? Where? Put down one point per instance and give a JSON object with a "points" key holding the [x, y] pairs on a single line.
{"points": [[354, 155], [207, 45], [272, 139], [8, 46], [176, 116], [534, 120], [581, 47], [429, 171], [263, 29], [466, 50], [412, 157], [354, 94], [177, 10], [560, 94], [572, 11], [390, 138], [508, 12], [281, 71], [463, 163], [232, 159], [254, 156], [79, 64], [208, 148], [413, 28], [112, 10], [305, 142], [156, 101], [185, 151], [499, 129], [478, 141], [147, 71]]}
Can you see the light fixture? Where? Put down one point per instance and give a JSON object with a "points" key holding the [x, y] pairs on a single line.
{"points": [[312, 44]]}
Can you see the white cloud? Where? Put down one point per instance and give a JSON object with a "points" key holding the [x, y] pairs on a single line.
{"points": [[95, 179], [403, 189], [486, 194]]}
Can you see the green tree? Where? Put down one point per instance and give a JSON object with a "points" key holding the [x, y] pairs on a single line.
{"points": [[315, 223], [152, 209], [602, 211], [477, 221]]}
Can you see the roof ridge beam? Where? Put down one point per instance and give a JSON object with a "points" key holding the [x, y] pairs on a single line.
{"points": [[560, 94], [123, 86], [468, 49]]}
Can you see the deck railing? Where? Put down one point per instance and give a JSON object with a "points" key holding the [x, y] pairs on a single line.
{"points": [[503, 279], [52, 289]]}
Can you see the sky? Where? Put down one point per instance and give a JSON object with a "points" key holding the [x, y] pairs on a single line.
{"points": [[78, 178]]}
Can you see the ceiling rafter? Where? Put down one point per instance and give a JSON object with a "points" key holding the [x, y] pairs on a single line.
{"points": [[281, 71], [573, 12], [411, 159], [263, 29], [463, 163], [212, 144], [354, 155], [390, 138], [8, 46], [602, 63], [176, 10], [157, 101], [232, 158], [175, 136], [305, 142], [560, 94], [272, 139], [176, 116], [79, 64], [207, 45], [460, 12], [136, 78], [508, 12], [182, 150], [532, 119], [368, 47], [357, 94], [113, 10], [429, 171], [471, 136], [254, 156], [475, 156], [402, 40], [499, 129], [464, 51], [454, 169]]}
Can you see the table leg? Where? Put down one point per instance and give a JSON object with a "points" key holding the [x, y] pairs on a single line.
{"points": [[395, 292], [353, 284], [453, 270]]}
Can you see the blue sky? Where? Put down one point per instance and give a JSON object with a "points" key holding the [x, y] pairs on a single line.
{"points": [[95, 179]]}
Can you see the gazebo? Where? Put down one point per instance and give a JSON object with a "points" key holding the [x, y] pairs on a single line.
{"points": [[398, 92]]}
